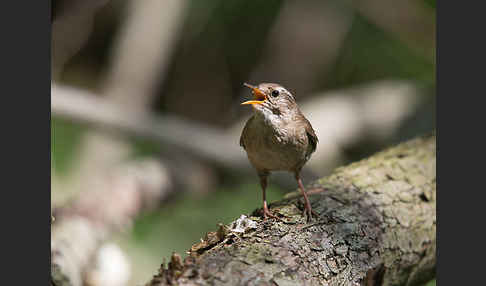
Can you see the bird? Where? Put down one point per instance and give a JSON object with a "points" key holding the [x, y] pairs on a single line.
{"points": [[277, 137]]}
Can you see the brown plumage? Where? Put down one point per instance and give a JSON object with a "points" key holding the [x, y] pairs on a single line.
{"points": [[277, 137]]}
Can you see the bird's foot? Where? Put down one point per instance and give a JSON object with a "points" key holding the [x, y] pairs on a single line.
{"points": [[268, 214], [309, 212], [310, 215]]}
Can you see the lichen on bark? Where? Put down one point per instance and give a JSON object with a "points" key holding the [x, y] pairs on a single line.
{"points": [[376, 226]]}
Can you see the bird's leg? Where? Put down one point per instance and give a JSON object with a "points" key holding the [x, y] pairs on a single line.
{"points": [[266, 212], [308, 209]]}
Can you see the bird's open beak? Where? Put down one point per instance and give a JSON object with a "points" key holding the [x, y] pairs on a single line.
{"points": [[259, 95]]}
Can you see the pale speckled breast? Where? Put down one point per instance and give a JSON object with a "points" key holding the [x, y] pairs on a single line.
{"points": [[272, 150]]}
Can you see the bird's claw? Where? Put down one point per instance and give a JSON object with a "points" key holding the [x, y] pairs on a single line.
{"points": [[268, 214], [309, 213]]}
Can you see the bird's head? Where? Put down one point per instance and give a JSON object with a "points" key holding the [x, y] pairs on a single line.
{"points": [[272, 98]]}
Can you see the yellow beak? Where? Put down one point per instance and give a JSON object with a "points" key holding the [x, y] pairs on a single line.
{"points": [[259, 95]]}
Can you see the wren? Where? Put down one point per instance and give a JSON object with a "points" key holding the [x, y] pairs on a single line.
{"points": [[277, 137]]}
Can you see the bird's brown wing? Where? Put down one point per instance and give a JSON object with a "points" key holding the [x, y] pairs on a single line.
{"points": [[242, 144], [311, 135]]}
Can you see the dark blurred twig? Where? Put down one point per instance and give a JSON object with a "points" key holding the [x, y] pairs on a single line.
{"points": [[70, 30]]}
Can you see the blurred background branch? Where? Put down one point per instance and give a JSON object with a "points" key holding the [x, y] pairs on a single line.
{"points": [[202, 140]]}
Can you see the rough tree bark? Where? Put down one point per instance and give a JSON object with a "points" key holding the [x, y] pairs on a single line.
{"points": [[376, 226]]}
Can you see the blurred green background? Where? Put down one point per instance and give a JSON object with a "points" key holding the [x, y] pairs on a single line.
{"points": [[202, 52]]}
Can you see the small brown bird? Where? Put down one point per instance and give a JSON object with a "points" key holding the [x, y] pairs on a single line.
{"points": [[277, 137]]}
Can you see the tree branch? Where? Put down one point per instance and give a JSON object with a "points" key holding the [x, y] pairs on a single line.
{"points": [[376, 226]]}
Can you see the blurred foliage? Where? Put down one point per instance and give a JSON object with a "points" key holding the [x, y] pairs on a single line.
{"points": [[431, 3], [370, 54], [65, 138]]}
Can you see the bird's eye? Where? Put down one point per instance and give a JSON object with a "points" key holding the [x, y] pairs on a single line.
{"points": [[275, 93]]}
